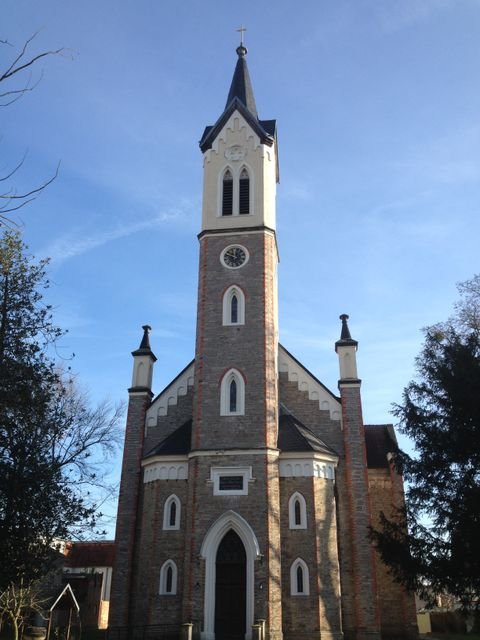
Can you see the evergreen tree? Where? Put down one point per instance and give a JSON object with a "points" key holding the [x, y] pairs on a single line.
{"points": [[433, 546], [51, 441]]}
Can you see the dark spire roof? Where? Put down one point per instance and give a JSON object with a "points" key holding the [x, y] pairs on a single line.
{"points": [[241, 98], [241, 87], [346, 339], [144, 348]]}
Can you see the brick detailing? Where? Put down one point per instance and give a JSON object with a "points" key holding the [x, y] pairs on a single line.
{"points": [[360, 577], [220, 347], [397, 606], [125, 534], [199, 349]]}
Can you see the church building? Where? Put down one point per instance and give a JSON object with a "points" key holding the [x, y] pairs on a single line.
{"points": [[248, 487]]}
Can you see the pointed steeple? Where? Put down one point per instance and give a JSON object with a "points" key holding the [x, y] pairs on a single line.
{"points": [[346, 339], [144, 348], [241, 99], [143, 361], [241, 87]]}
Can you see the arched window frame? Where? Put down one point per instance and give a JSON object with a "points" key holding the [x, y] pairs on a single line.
{"points": [[297, 498], [294, 591], [235, 172], [171, 500], [169, 564], [234, 290], [227, 178], [228, 378]]}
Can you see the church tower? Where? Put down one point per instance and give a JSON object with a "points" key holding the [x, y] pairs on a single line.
{"points": [[248, 487], [233, 461]]}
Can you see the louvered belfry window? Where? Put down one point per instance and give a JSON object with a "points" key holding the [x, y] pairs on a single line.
{"points": [[227, 194], [244, 193]]}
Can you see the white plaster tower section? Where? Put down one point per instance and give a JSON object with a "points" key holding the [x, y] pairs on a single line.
{"points": [[238, 149]]}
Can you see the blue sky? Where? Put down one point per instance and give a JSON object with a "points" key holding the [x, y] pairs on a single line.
{"points": [[378, 109]]}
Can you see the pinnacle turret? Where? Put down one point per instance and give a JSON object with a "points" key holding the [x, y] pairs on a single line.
{"points": [[144, 348], [345, 337]]}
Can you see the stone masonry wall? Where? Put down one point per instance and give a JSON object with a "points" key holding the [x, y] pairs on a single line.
{"points": [[155, 546]]}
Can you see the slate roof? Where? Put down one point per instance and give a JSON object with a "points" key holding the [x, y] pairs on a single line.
{"points": [[380, 440], [241, 86], [295, 436], [177, 443]]}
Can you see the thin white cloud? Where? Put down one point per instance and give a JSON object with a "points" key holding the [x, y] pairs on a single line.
{"points": [[73, 245], [399, 14]]}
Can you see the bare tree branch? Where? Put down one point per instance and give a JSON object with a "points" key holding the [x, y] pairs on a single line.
{"points": [[12, 200]]}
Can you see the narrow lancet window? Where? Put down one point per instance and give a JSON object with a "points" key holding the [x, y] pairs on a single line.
{"points": [[227, 194], [299, 579], [173, 514], [244, 193], [169, 580], [234, 310], [233, 396], [298, 513]]}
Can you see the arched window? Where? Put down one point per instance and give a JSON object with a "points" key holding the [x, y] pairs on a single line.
{"points": [[171, 513], [232, 394], [299, 579], [297, 511], [233, 306], [168, 578], [227, 193], [244, 193]]}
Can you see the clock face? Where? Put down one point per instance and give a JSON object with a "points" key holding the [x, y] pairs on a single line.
{"points": [[234, 256]]}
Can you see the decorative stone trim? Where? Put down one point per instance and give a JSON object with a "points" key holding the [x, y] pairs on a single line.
{"points": [[170, 468], [219, 473], [294, 590], [306, 468], [292, 519], [166, 589], [306, 382], [172, 502], [169, 396]]}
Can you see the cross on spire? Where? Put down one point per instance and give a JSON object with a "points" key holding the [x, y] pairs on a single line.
{"points": [[241, 31]]}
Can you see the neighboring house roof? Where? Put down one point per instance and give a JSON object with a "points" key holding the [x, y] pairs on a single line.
{"points": [[90, 554], [295, 436], [380, 441]]}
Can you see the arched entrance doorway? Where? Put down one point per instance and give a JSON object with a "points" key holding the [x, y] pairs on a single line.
{"points": [[229, 521], [230, 588]]}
